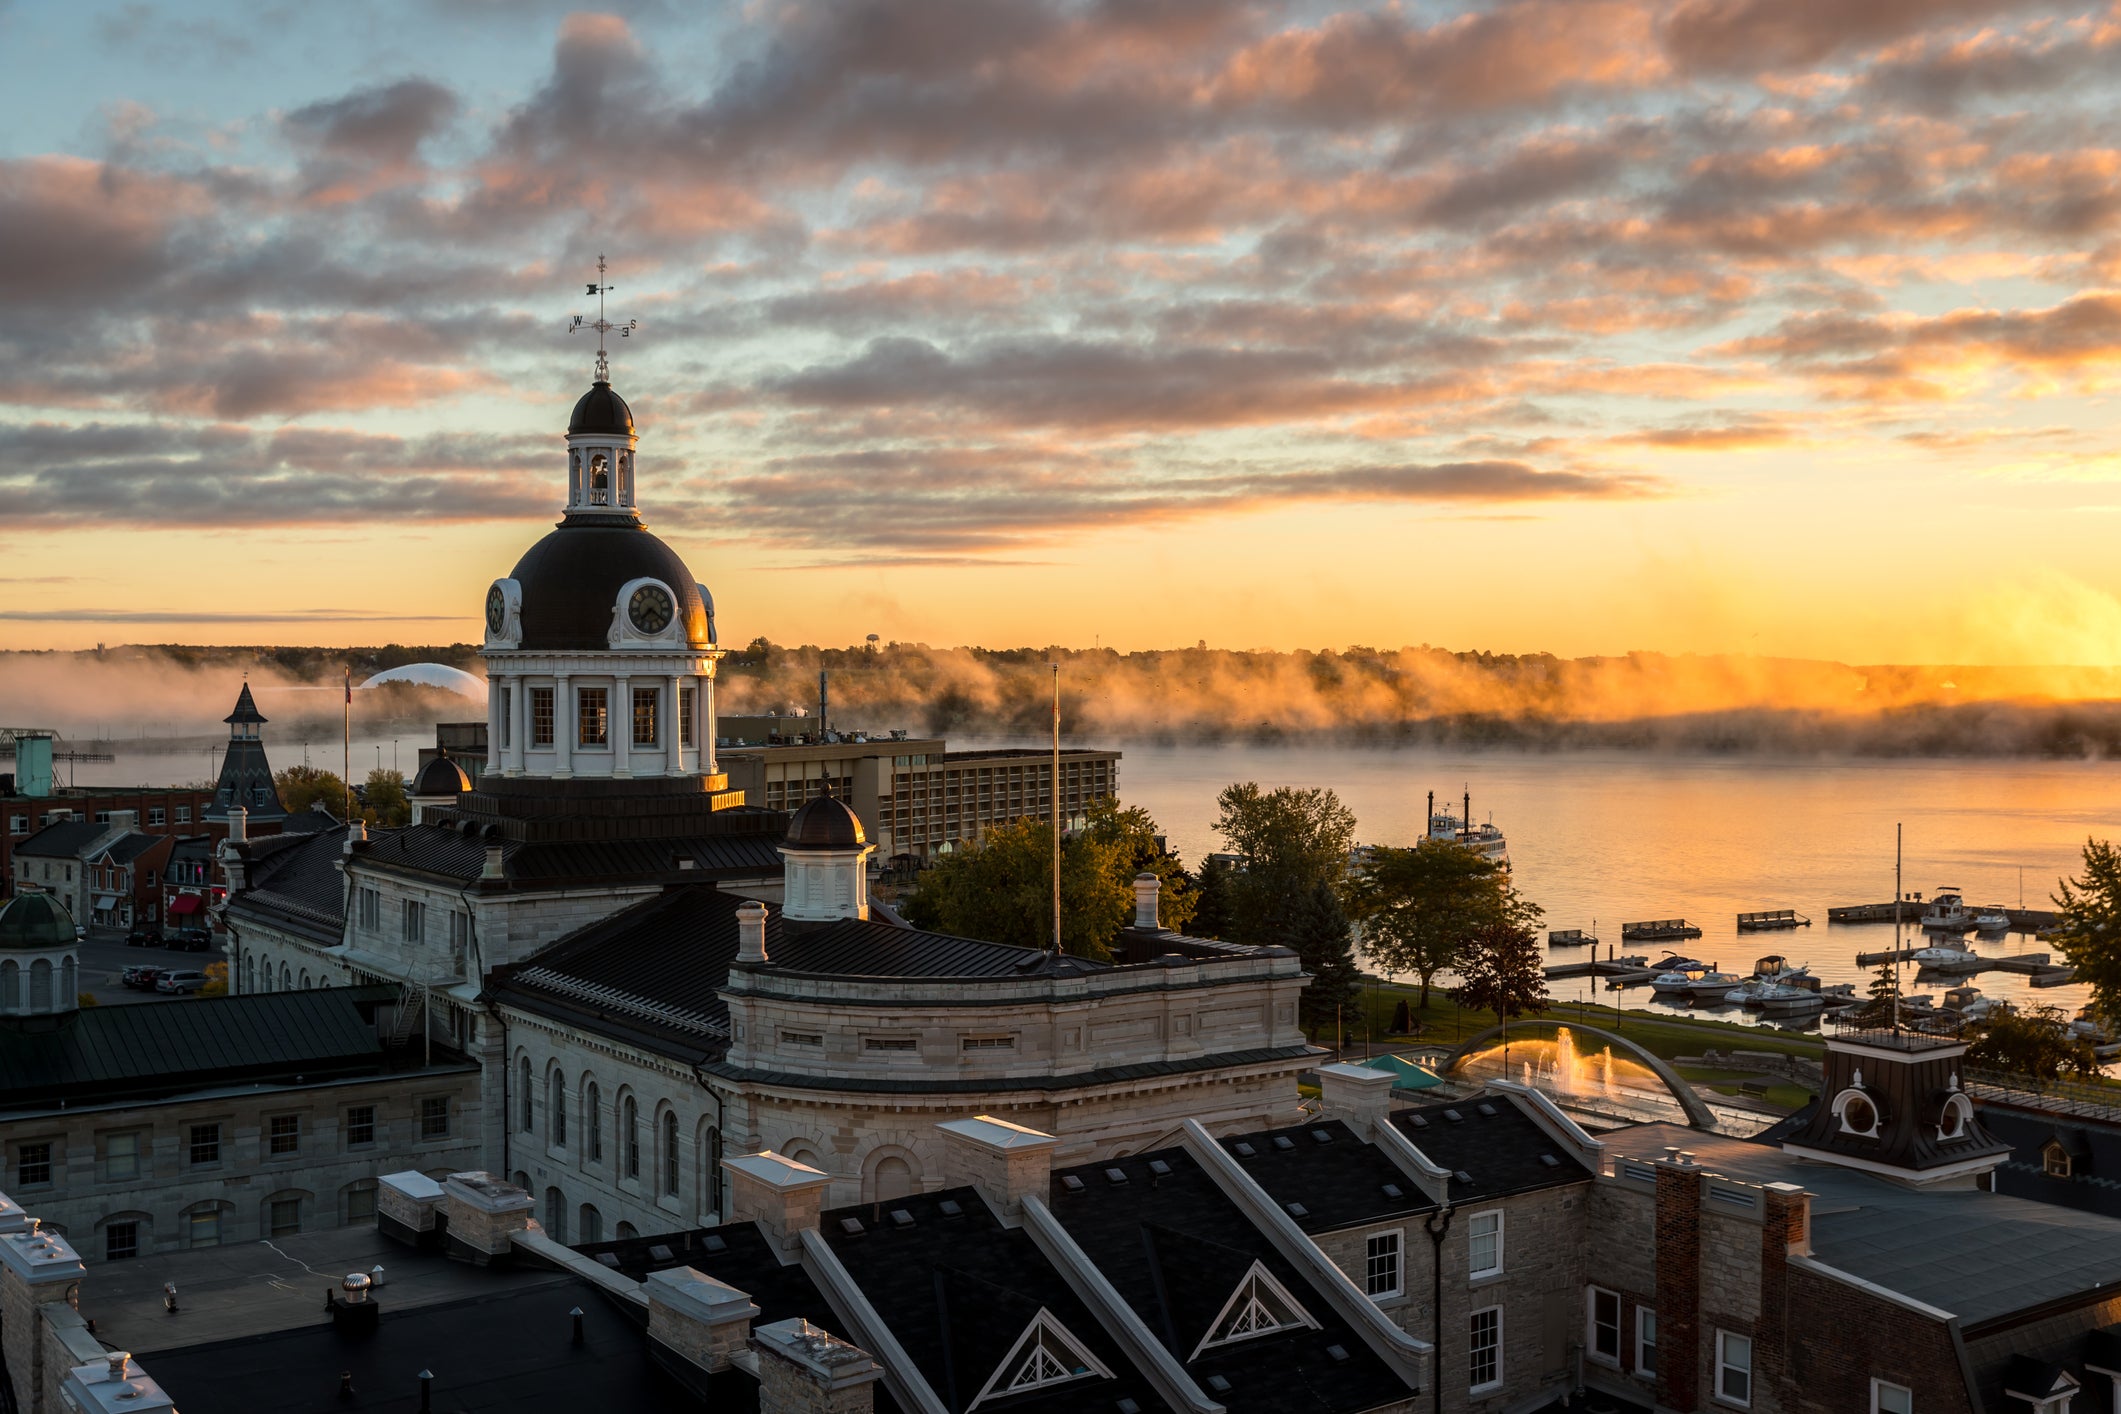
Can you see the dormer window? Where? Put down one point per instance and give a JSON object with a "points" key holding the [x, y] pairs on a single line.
{"points": [[2054, 1160], [1260, 1306], [1956, 1118], [1857, 1112], [1046, 1354]]}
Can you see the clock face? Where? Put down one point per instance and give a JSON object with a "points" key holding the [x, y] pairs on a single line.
{"points": [[650, 608], [496, 609]]}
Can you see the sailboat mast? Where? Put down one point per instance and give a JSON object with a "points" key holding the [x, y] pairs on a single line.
{"points": [[1899, 893]]}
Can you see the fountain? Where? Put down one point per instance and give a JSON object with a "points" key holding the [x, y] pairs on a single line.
{"points": [[1593, 1081]]}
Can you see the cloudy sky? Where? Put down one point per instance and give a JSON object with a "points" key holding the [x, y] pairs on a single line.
{"points": [[1781, 326]]}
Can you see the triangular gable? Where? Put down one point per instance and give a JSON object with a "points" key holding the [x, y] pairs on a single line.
{"points": [[1043, 1356], [1260, 1306]]}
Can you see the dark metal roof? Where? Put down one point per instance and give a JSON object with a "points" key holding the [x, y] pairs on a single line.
{"points": [[571, 581], [826, 823], [62, 839], [1281, 1056], [441, 776], [293, 882], [854, 947], [601, 410], [959, 1290], [246, 709], [1338, 1181], [1497, 1146], [246, 780], [1176, 1248], [2094, 1182], [109, 1052], [35, 921], [448, 851], [130, 846]]}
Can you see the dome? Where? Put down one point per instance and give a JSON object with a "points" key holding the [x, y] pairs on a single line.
{"points": [[601, 412], [571, 580], [826, 823], [35, 921], [441, 776], [433, 675]]}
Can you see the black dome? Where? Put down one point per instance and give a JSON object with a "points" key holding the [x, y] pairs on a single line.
{"points": [[441, 776], [826, 823], [571, 579], [602, 410]]}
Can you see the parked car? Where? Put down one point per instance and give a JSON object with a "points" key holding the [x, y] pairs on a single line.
{"points": [[191, 940], [80, 932], [180, 981], [144, 935], [141, 978]]}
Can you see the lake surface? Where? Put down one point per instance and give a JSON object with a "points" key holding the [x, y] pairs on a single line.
{"points": [[1602, 838]]}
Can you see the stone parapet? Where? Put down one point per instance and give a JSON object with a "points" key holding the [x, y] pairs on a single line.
{"points": [[804, 1370], [704, 1321], [1005, 1162], [484, 1214], [408, 1205]]}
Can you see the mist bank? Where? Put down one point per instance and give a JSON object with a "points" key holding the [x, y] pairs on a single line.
{"points": [[1413, 696]]}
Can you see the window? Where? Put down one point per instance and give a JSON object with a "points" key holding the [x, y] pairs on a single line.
{"points": [[361, 1202], [990, 1043], [203, 1228], [1889, 1398], [285, 1216], [1484, 1349], [1646, 1342], [1260, 1306], [184, 814], [589, 1224], [670, 1154], [593, 1124], [1380, 1275], [434, 1117], [415, 921], [556, 1103], [121, 1240], [121, 1157], [508, 703], [686, 697], [155, 815], [33, 1165], [150, 884], [529, 1116], [459, 938], [541, 716], [1856, 1113], [360, 1126], [2054, 1161], [284, 1134], [1045, 1354], [630, 1137], [205, 1144], [18, 824], [368, 909], [103, 817], [1734, 1368], [802, 1038], [1484, 1244], [645, 701], [1603, 1340], [891, 1043], [593, 716]]}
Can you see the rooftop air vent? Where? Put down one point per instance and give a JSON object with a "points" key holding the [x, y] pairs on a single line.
{"points": [[901, 1218], [852, 1226], [662, 1253], [1218, 1384], [1072, 1182], [1454, 1116], [1550, 1161], [714, 1244], [950, 1208], [1297, 1210], [1419, 1121], [1127, 1406], [1393, 1190], [1159, 1167], [609, 1259], [1487, 1110], [1244, 1150], [1338, 1352], [1462, 1176], [1115, 1175], [1323, 1136], [1284, 1143]]}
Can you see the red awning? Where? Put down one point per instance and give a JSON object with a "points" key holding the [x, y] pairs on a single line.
{"points": [[186, 903]]}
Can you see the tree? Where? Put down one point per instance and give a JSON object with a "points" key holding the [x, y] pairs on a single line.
{"points": [[1001, 889], [1285, 840], [2033, 1043], [2090, 932], [1317, 927], [1132, 832], [383, 799], [1211, 899], [216, 980], [302, 786], [1418, 906], [1500, 969], [1885, 986]]}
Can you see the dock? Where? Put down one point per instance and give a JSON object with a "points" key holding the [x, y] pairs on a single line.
{"points": [[2023, 920], [2041, 968], [1658, 930], [1772, 918], [1622, 971], [1570, 938]]}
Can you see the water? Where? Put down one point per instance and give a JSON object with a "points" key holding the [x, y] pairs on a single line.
{"points": [[1598, 839]]}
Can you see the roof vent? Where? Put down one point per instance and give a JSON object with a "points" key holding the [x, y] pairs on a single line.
{"points": [[1127, 1406], [1323, 1136], [1284, 1143], [1072, 1182], [1393, 1190], [1418, 1121], [1454, 1116], [950, 1208], [609, 1259], [1115, 1175], [1244, 1150], [852, 1227], [1462, 1176], [714, 1244], [1297, 1210], [901, 1218], [1218, 1384], [662, 1253], [1486, 1109], [1159, 1167], [1550, 1161], [1338, 1352]]}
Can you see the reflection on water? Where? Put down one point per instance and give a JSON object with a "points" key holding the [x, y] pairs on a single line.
{"points": [[1599, 1081]]}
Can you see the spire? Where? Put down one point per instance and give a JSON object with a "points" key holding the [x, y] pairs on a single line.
{"points": [[246, 709], [602, 323]]}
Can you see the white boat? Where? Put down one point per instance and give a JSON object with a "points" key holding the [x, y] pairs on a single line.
{"points": [[1459, 830], [1992, 921], [1943, 952], [1713, 984], [1673, 962], [1776, 968], [1947, 912], [1671, 982], [1781, 1001], [1748, 993]]}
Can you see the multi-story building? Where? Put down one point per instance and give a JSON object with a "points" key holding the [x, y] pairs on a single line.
{"points": [[125, 879]]}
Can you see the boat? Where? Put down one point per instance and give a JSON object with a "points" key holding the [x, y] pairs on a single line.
{"points": [[1772, 918], [1658, 930], [2089, 1027], [1944, 952], [1673, 962], [1970, 1005], [1713, 984], [1947, 912], [1748, 993], [1776, 968], [1992, 920], [1782, 1001], [1459, 830], [1671, 983]]}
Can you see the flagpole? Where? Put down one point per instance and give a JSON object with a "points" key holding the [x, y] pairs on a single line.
{"points": [[346, 763], [1056, 813]]}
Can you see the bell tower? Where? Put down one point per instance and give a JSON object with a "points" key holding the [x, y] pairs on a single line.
{"points": [[601, 437]]}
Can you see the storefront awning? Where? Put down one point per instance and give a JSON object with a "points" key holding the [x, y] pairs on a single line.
{"points": [[106, 902], [186, 903]]}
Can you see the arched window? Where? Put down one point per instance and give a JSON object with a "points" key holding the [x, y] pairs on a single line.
{"points": [[305, 979], [529, 1120], [69, 988], [10, 985], [250, 974], [592, 1124], [710, 1169], [287, 978], [557, 1103], [555, 1215], [40, 985], [589, 1224], [890, 1179], [627, 1230], [670, 1153], [630, 1138]]}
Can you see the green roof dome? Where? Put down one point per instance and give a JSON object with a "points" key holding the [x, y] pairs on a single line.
{"points": [[35, 921]]}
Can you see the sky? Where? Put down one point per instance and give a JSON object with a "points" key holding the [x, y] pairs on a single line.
{"points": [[1785, 327]]}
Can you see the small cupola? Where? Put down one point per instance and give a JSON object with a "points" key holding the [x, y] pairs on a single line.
{"points": [[437, 787], [825, 864], [1892, 1105], [39, 957]]}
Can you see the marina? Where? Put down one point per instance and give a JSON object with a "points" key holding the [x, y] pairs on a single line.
{"points": [[1659, 931], [1772, 918]]}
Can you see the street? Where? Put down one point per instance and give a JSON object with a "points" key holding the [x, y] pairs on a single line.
{"points": [[104, 955]]}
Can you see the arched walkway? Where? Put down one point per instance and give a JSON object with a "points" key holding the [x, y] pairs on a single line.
{"points": [[1698, 1114]]}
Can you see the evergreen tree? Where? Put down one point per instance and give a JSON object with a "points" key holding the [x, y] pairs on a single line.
{"points": [[2090, 935], [1317, 927], [1211, 899], [1500, 969], [1885, 986]]}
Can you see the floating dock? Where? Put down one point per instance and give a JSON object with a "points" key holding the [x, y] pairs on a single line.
{"points": [[1570, 938], [1622, 972], [1772, 918], [1658, 930], [2023, 920], [2038, 966]]}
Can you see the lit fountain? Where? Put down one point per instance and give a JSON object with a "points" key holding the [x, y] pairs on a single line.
{"points": [[1597, 1082]]}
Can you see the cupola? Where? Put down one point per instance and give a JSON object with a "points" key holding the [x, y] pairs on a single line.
{"points": [[1893, 1105], [825, 864], [39, 957], [437, 787]]}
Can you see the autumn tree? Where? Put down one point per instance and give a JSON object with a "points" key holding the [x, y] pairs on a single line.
{"points": [[1501, 969], [300, 787], [1419, 906], [383, 799], [1132, 832]]}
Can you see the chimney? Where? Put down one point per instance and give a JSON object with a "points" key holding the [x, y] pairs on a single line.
{"points": [[114, 1382], [1356, 1094], [1005, 1162], [824, 703], [1789, 1218], [803, 1370], [406, 1207], [1147, 892], [484, 1215], [492, 867], [36, 1270], [751, 932], [782, 1196], [697, 1319], [238, 824], [125, 819], [1678, 1288]]}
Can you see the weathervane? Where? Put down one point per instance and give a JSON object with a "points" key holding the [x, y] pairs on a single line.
{"points": [[602, 325]]}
